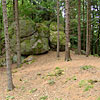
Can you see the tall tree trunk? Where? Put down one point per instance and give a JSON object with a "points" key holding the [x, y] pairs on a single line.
{"points": [[14, 10], [22, 2], [88, 41], [67, 30], [98, 35], [92, 42], [18, 47], [92, 32], [58, 28], [7, 45], [84, 35], [79, 26]]}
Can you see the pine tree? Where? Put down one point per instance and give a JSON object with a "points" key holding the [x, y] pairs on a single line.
{"points": [[79, 26], [88, 27], [18, 47], [84, 35], [58, 28], [7, 45], [67, 47]]}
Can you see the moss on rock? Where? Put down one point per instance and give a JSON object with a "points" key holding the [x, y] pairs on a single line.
{"points": [[39, 46], [27, 27], [53, 40], [34, 37], [53, 26]]}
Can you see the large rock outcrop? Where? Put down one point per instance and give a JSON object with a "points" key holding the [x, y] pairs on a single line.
{"points": [[34, 37], [53, 36]]}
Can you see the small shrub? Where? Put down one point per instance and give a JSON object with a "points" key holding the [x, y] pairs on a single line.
{"points": [[10, 97], [33, 90], [43, 98], [88, 87], [56, 72], [68, 79], [83, 83], [39, 74], [92, 81], [57, 68], [51, 82], [96, 55], [86, 67], [74, 78]]}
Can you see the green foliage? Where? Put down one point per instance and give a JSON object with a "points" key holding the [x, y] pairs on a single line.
{"points": [[86, 84], [68, 79], [57, 72], [43, 98], [2, 61], [33, 90], [10, 97], [51, 82], [39, 74], [23, 88], [53, 26], [86, 67], [92, 81], [98, 98], [96, 55], [88, 87], [72, 78], [83, 83]]}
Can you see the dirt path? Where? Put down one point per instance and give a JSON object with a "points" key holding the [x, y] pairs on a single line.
{"points": [[32, 81]]}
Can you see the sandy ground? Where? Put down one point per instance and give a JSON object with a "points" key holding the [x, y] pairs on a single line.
{"points": [[34, 76]]}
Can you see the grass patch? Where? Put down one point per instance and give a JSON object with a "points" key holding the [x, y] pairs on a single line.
{"points": [[14, 71], [30, 62], [51, 82], [39, 74], [10, 97], [92, 81], [72, 78], [88, 87], [57, 72], [98, 98], [33, 90], [86, 67], [86, 84], [83, 83], [43, 98]]}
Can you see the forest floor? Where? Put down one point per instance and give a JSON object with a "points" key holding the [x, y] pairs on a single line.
{"points": [[49, 78]]}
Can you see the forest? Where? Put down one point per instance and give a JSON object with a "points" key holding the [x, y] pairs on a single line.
{"points": [[49, 49]]}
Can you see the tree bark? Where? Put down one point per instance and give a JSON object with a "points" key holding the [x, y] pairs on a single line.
{"points": [[79, 27], [67, 30], [7, 45], [14, 9], [84, 35], [58, 42], [88, 41], [98, 35], [18, 47]]}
